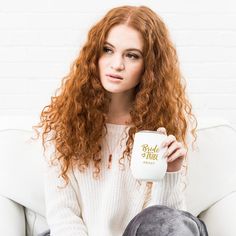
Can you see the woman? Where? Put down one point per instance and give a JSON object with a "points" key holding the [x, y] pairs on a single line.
{"points": [[125, 79]]}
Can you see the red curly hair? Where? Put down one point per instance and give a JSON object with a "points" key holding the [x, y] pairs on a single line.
{"points": [[76, 117]]}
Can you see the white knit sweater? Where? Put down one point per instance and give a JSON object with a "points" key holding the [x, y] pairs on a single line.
{"points": [[104, 207]]}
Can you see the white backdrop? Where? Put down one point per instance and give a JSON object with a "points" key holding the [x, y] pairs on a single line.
{"points": [[40, 39]]}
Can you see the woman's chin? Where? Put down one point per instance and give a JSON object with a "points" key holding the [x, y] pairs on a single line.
{"points": [[113, 90]]}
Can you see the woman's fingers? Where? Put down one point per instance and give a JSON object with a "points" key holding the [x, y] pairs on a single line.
{"points": [[180, 153], [162, 130], [170, 139], [173, 148]]}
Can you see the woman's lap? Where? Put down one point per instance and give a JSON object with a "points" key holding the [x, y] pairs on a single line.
{"points": [[162, 221]]}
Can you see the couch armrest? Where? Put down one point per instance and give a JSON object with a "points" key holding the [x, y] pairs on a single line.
{"points": [[220, 217], [12, 218]]}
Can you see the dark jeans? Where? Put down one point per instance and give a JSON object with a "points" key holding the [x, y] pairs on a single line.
{"points": [[163, 221]]}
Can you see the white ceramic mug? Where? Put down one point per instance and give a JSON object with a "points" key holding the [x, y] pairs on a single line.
{"points": [[147, 159]]}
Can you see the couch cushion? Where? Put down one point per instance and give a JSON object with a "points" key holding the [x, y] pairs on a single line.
{"points": [[22, 169], [220, 218], [211, 172], [12, 218], [35, 223]]}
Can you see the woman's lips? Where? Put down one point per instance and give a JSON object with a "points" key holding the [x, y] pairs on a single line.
{"points": [[115, 76]]}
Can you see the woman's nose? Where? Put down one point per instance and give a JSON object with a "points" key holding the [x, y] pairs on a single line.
{"points": [[117, 63]]}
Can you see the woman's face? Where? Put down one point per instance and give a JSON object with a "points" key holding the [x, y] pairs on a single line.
{"points": [[122, 56]]}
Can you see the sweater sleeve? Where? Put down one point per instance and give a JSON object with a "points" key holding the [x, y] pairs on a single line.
{"points": [[169, 192], [63, 212]]}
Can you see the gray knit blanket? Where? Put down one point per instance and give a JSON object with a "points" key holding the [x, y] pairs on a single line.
{"points": [[161, 220]]}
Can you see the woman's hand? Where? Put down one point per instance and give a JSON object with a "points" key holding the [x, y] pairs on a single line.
{"points": [[175, 152]]}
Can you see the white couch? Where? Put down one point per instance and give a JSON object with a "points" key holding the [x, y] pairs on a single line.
{"points": [[211, 192]]}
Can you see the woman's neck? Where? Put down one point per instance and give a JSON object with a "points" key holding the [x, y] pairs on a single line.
{"points": [[119, 109], [119, 120]]}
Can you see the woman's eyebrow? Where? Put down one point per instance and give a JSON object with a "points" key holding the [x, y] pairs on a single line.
{"points": [[128, 49]]}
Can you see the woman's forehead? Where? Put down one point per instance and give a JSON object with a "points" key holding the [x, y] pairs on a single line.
{"points": [[125, 37]]}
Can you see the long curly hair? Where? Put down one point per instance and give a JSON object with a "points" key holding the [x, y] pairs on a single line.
{"points": [[76, 117]]}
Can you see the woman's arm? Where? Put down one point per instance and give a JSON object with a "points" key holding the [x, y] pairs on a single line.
{"points": [[62, 206], [169, 191]]}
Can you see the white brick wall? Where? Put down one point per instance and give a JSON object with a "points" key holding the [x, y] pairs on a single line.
{"points": [[40, 39]]}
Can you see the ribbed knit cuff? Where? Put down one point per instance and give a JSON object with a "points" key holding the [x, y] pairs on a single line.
{"points": [[168, 191], [171, 180]]}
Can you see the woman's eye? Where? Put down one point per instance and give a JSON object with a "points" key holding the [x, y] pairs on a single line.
{"points": [[129, 55], [105, 49], [133, 56]]}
